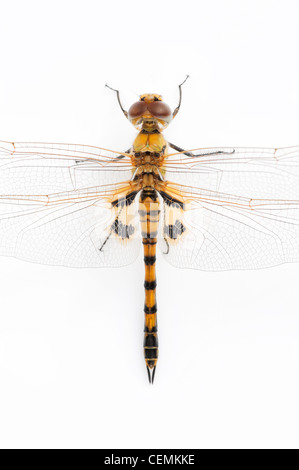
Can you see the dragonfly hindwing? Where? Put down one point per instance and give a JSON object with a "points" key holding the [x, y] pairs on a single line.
{"points": [[173, 223], [175, 230], [122, 230]]}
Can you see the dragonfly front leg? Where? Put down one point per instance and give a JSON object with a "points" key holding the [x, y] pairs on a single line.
{"points": [[191, 154], [119, 157]]}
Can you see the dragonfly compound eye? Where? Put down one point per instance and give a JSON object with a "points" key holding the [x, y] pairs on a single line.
{"points": [[160, 110], [137, 109]]}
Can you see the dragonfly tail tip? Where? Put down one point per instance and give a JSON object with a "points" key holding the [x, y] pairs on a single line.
{"points": [[151, 374]]}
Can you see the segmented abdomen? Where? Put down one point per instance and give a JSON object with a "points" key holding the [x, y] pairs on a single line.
{"points": [[149, 213]]}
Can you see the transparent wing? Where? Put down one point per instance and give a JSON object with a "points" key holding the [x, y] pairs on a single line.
{"points": [[55, 205], [40, 168], [241, 209]]}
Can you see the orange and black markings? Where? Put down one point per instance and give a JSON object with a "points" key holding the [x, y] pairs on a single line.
{"points": [[150, 115], [149, 213], [175, 230], [121, 228]]}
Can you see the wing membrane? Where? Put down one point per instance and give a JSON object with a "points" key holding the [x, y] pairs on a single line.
{"points": [[250, 172], [241, 209], [55, 205], [40, 168]]}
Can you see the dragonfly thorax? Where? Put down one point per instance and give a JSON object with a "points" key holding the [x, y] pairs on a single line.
{"points": [[148, 175], [147, 143]]}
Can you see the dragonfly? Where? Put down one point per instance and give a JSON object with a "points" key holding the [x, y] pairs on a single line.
{"points": [[211, 209]]}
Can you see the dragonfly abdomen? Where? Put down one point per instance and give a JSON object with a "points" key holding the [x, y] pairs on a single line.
{"points": [[149, 213]]}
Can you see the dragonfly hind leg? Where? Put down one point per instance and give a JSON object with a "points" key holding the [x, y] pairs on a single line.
{"points": [[123, 231], [121, 226], [173, 225], [172, 232]]}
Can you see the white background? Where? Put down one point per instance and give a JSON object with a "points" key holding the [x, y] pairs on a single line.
{"points": [[71, 365]]}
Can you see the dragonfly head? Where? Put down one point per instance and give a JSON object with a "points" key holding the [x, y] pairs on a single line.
{"points": [[150, 112]]}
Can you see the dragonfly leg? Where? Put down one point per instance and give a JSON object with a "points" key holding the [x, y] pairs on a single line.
{"points": [[167, 244], [111, 230], [119, 157], [118, 227], [118, 99], [173, 226], [191, 154]]}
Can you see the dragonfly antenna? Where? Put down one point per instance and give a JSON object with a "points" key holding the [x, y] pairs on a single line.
{"points": [[118, 99], [175, 112], [187, 76]]}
